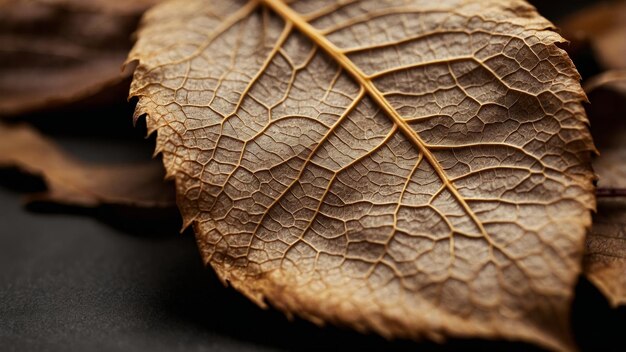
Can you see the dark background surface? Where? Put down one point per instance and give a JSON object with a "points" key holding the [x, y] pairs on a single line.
{"points": [[103, 280]]}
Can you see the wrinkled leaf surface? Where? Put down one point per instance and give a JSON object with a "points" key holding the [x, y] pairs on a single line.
{"points": [[413, 168]]}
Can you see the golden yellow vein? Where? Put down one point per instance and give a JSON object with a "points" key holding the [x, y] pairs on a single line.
{"points": [[289, 15]]}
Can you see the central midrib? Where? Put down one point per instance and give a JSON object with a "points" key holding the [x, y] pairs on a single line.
{"points": [[289, 15]]}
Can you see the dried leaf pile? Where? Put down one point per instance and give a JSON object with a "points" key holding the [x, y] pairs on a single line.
{"points": [[411, 168]]}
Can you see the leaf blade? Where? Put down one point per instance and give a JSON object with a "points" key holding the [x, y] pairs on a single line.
{"points": [[77, 184], [264, 260]]}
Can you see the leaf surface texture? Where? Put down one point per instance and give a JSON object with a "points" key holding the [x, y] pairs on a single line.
{"points": [[415, 168]]}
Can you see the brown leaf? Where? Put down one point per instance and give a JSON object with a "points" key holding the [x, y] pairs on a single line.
{"points": [[72, 182], [612, 80], [117, 7], [56, 52], [605, 262], [603, 27], [415, 168]]}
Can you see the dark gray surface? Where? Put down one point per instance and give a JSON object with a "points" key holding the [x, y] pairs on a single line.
{"points": [[74, 282]]}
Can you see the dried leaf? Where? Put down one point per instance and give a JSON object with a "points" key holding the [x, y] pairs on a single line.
{"points": [[605, 261], [73, 183], [613, 80], [415, 168], [58, 52], [117, 7], [603, 27]]}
